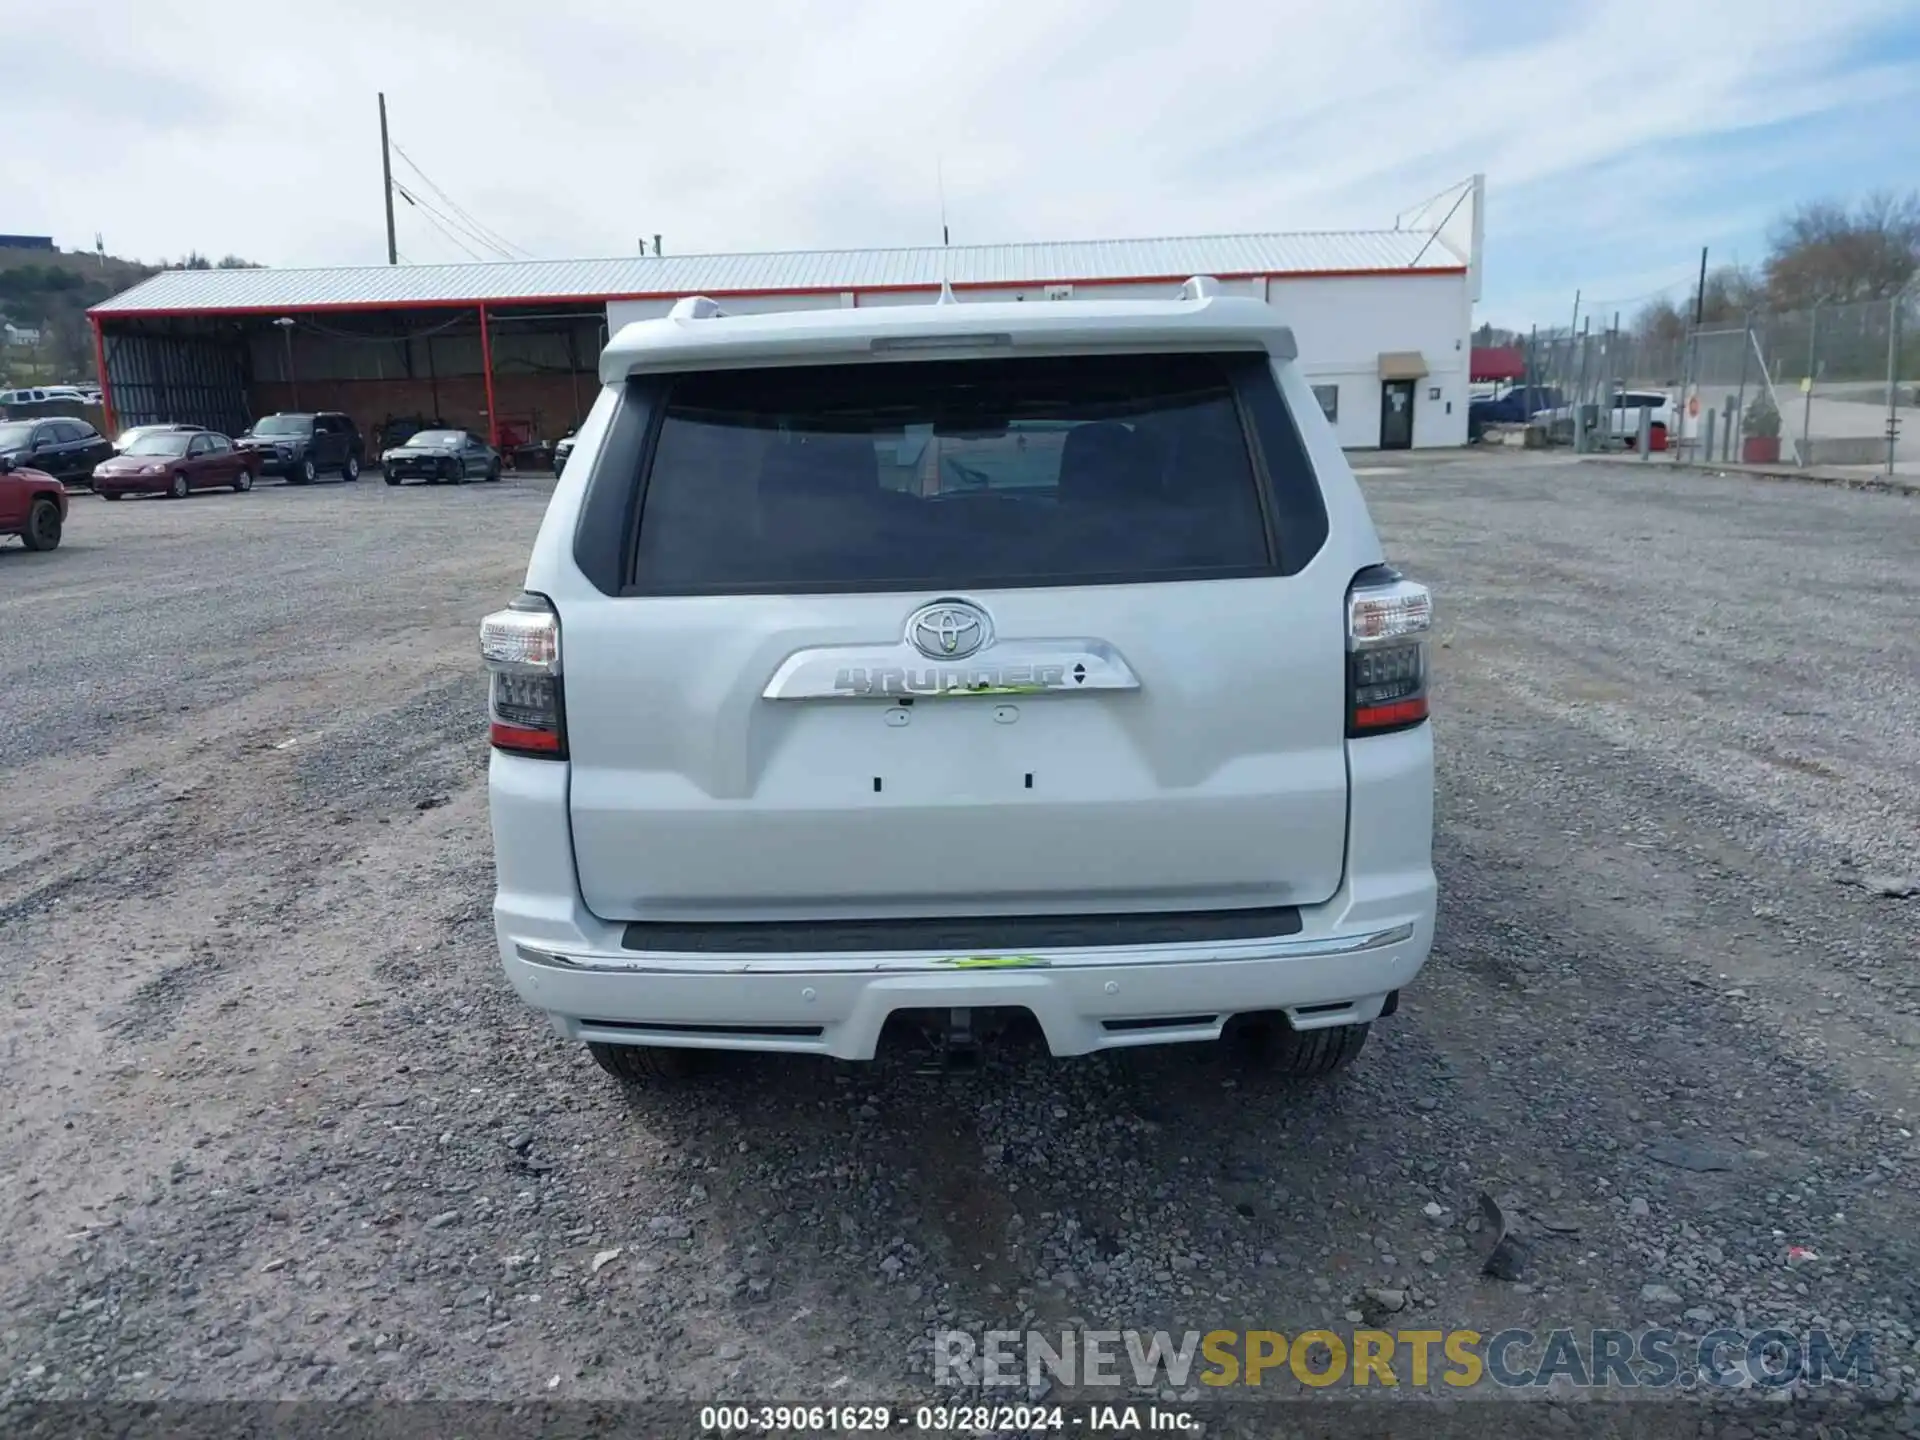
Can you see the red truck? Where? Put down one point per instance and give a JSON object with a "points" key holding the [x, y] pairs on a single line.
{"points": [[33, 505]]}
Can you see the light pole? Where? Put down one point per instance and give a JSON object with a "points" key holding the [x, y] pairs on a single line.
{"points": [[285, 326]]}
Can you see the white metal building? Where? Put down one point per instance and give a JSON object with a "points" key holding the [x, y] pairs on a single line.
{"points": [[1381, 317]]}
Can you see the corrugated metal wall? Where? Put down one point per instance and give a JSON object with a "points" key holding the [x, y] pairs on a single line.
{"points": [[197, 380]]}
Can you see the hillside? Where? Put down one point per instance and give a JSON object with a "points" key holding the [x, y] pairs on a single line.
{"points": [[50, 291]]}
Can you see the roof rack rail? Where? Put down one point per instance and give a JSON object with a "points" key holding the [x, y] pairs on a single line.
{"points": [[696, 307], [1201, 287]]}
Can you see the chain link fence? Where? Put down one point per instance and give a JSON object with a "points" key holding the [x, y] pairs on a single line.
{"points": [[1833, 385], [1848, 377]]}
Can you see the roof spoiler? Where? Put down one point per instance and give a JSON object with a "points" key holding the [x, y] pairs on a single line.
{"points": [[696, 307]]}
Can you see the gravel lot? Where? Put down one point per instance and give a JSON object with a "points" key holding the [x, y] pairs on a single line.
{"points": [[275, 1126]]}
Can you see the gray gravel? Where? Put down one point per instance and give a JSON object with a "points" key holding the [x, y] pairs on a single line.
{"points": [[276, 1127]]}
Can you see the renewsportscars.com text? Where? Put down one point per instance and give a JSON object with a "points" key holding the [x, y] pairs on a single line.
{"points": [[1511, 1359]]}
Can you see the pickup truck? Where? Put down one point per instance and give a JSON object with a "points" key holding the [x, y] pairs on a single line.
{"points": [[1519, 405], [1623, 417]]}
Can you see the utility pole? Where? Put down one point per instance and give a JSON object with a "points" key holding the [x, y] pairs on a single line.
{"points": [[1690, 389], [386, 178]]}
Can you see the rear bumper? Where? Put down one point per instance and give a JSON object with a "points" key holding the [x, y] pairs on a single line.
{"points": [[1084, 1000], [1350, 953]]}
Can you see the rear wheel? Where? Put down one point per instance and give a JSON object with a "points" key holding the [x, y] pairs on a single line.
{"points": [[493, 469], [43, 526], [351, 470], [1268, 1045], [178, 487], [642, 1064]]}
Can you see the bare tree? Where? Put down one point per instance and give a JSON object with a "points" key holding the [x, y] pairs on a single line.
{"points": [[1733, 292], [1826, 253], [1660, 320]]}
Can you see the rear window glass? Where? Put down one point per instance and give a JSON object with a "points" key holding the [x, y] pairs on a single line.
{"points": [[918, 475]]}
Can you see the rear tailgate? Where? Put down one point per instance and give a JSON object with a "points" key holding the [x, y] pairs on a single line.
{"points": [[963, 638]]}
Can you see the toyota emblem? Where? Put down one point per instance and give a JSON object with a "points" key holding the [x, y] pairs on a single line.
{"points": [[948, 629]]}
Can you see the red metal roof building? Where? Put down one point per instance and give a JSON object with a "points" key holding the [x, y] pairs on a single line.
{"points": [[510, 347]]}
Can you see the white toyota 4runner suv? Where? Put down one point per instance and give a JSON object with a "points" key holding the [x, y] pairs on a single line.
{"points": [[951, 663]]}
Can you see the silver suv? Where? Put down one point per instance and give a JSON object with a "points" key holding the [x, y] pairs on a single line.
{"points": [[950, 664]]}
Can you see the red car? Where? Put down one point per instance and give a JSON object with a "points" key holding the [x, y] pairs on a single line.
{"points": [[33, 505], [176, 463]]}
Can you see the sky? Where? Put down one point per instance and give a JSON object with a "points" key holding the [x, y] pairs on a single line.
{"points": [[1617, 137]]}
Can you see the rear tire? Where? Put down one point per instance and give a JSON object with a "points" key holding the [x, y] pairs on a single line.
{"points": [[1268, 1045], [351, 470], [647, 1064], [493, 471], [42, 531]]}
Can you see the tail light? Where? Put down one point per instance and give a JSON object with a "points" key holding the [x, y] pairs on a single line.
{"points": [[521, 646], [1388, 617]]}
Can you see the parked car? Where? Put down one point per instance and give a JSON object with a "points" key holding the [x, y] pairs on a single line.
{"points": [[1625, 419], [303, 446], [441, 457], [40, 394], [1047, 661], [127, 437], [396, 430], [1516, 406], [563, 450], [64, 448], [33, 505], [1622, 418], [176, 463]]}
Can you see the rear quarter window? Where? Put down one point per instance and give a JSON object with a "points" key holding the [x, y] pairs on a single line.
{"points": [[950, 474]]}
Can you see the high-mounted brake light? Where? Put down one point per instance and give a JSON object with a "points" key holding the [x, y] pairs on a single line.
{"points": [[521, 647], [1388, 619]]}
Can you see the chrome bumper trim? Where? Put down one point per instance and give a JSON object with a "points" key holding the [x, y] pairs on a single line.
{"points": [[1290, 947]]}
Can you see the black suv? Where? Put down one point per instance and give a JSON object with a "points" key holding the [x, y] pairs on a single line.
{"points": [[63, 448], [304, 446]]}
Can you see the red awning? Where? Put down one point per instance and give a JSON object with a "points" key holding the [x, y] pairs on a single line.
{"points": [[1498, 362]]}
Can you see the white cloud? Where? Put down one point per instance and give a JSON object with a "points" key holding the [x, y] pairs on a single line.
{"points": [[573, 126]]}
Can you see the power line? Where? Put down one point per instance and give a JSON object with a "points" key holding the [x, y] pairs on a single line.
{"points": [[442, 230], [440, 222], [479, 230], [1666, 289], [446, 220]]}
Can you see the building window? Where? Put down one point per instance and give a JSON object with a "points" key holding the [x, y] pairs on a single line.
{"points": [[1329, 398]]}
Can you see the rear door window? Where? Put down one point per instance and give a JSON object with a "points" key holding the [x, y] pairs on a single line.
{"points": [[950, 474]]}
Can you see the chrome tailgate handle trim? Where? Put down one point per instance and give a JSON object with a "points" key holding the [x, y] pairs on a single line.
{"points": [[1007, 667]]}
